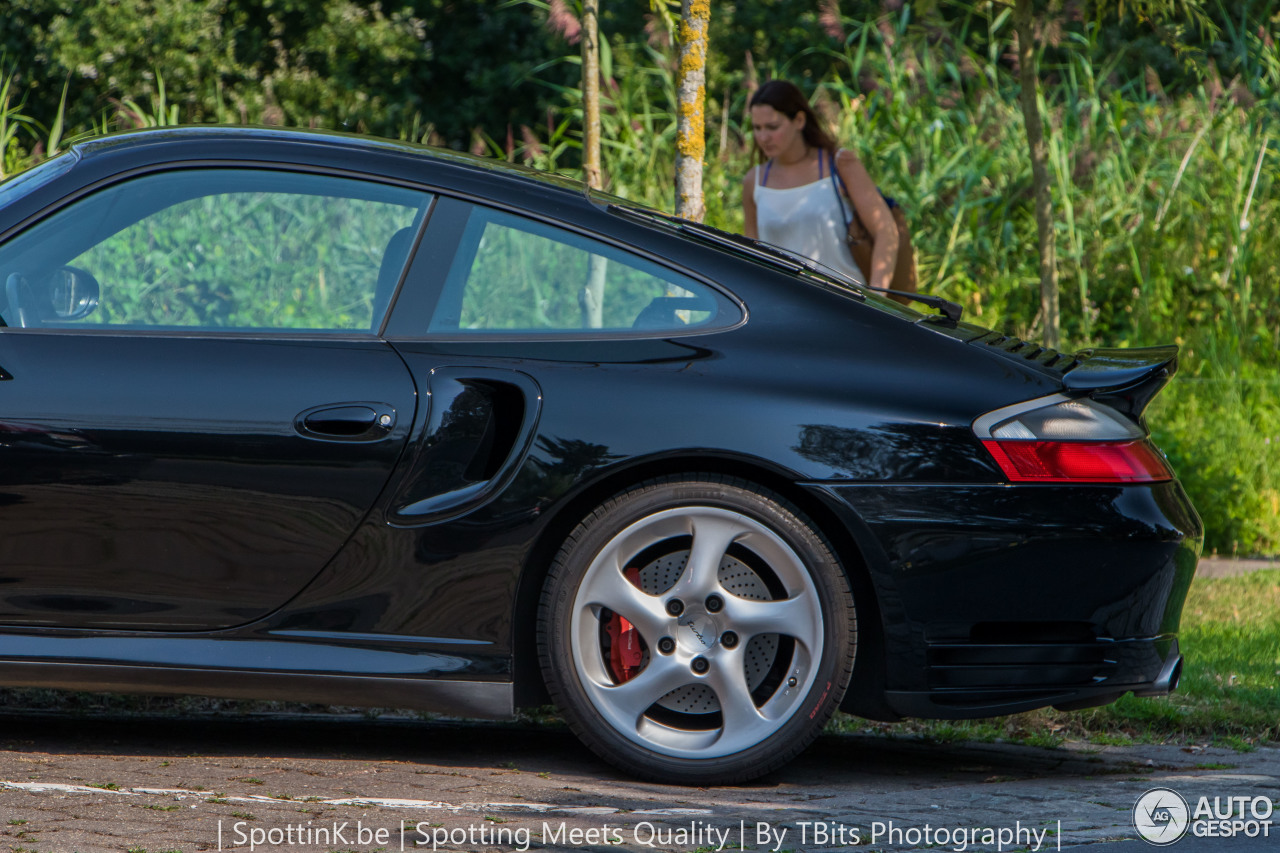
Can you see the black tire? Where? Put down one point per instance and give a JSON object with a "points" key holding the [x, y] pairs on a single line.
{"points": [[736, 679]]}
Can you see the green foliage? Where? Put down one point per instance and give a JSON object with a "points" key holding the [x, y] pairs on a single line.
{"points": [[1164, 151], [363, 65], [391, 66], [11, 122], [100, 51], [1222, 435]]}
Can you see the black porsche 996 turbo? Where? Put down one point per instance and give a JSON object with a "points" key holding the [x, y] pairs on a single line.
{"points": [[304, 416]]}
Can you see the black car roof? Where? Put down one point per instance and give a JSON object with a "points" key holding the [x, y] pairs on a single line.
{"points": [[233, 135]]}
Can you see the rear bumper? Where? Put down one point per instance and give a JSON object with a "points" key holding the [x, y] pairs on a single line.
{"points": [[1000, 599], [984, 680]]}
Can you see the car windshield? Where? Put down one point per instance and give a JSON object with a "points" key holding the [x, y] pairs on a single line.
{"points": [[29, 181]]}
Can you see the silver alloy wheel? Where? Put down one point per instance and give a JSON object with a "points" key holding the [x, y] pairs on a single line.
{"points": [[721, 545]]}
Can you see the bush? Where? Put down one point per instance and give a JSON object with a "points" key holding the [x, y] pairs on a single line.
{"points": [[1222, 436]]}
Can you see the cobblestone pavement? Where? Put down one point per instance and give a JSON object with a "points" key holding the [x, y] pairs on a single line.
{"points": [[320, 785]]}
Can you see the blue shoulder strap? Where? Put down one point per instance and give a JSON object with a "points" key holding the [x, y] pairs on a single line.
{"points": [[838, 187]]}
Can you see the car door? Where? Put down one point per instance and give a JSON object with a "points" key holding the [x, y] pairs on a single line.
{"points": [[196, 408]]}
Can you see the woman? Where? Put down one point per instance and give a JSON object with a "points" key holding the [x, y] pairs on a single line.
{"points": [[790, 199]]}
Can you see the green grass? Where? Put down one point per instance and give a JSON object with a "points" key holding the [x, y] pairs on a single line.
{"points": [[1231, 639], [1230, 690], [1229, 695]]}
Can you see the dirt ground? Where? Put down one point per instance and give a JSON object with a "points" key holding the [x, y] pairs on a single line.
{"points": [[101, 783]]}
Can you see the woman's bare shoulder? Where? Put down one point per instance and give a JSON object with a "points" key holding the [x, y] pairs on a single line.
{"points": [[845, 157], [850, 166]]}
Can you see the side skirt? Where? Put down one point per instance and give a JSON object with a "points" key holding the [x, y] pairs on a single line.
{"points": [[474, 699]]}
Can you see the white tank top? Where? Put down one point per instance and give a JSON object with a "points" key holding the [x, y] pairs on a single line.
{"points": [[808, 220]]}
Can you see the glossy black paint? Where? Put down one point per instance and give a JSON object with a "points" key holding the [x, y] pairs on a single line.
{"points": [[226, 515], [162, 482], [971, 568]]}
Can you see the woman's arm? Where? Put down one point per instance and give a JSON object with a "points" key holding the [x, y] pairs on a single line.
{"points": [[749, 204], [874, 214]]}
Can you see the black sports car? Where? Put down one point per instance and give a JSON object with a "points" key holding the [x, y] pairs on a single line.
{"points": [[312, 417]]}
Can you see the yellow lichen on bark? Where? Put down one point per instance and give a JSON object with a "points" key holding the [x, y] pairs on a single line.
{"points": [[693, 54], [691, 139], [690, 118]]}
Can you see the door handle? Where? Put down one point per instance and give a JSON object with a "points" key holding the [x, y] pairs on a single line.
{"points": [[346, 422]]}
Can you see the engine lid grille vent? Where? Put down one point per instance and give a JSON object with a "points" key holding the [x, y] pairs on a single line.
{"points": [[1044, 356]]}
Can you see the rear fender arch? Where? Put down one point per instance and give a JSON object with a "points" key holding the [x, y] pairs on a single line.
{"points": [[832, 519]]}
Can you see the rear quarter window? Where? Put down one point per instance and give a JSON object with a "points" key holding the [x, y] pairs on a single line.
{"points": [[516, 275]]}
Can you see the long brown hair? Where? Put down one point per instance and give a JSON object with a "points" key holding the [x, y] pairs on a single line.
{"points": [[786, 98]]}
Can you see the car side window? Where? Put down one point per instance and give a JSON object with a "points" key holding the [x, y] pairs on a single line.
{"points": [[512, 274], [215, 250]]}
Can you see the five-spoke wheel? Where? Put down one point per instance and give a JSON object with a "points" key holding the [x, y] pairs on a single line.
{"points": [[697, 630]]}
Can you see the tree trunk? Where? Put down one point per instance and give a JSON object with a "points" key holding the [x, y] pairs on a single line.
{"points": [[591, 94], [1034, 124], [691, 143], [593, 291]]}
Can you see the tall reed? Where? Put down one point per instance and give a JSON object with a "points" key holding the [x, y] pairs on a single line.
{"points": [[12, 123]]}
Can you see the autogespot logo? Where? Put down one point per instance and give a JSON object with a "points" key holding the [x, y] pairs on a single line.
{"points": [[1161, 816]]}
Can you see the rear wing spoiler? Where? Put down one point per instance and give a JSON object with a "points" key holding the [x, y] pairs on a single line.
{"points": [[1127, 379]]}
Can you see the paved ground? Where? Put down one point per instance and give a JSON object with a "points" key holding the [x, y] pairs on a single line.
{"points": [[319, 785], [1225, 567]]}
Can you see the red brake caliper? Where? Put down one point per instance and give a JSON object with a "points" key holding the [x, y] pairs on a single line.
{"points": [[625, 650]]}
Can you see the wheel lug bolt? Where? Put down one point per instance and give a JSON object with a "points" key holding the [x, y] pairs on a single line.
{"points": [[666, 645], [728, 639], [700, 665], [675, 607], [714, 603]]}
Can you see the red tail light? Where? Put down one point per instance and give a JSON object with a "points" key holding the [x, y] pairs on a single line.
{"points": [[1060, 439], [1079, 462]]}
